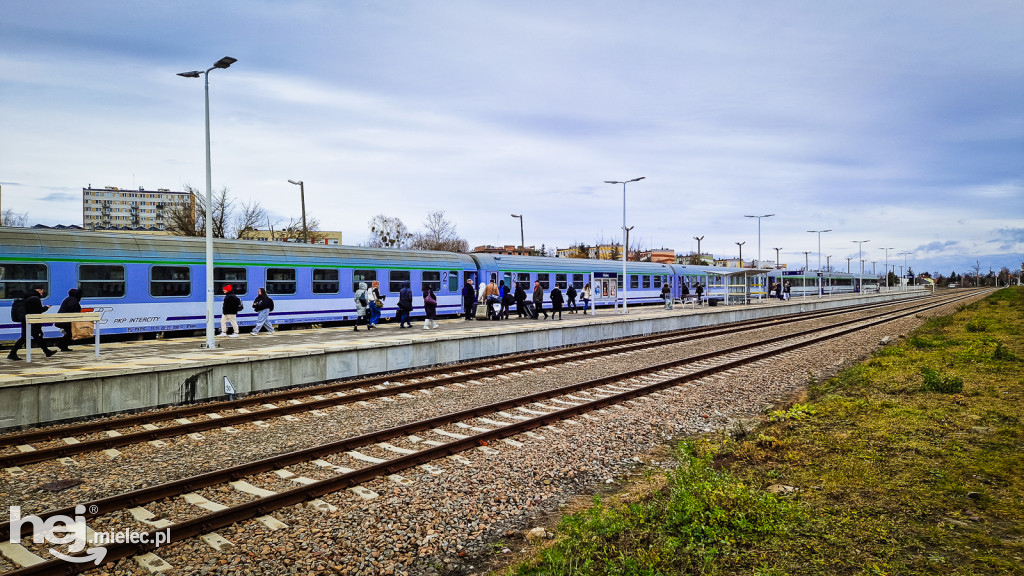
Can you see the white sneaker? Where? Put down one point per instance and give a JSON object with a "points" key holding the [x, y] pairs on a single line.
{"points": [[235, 335]]}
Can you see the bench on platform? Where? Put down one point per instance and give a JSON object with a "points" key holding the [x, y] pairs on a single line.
{"points": [[65, 318], [690, 299]]}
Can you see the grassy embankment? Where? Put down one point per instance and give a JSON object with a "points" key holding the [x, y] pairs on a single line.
{"points": [[910, 463]]}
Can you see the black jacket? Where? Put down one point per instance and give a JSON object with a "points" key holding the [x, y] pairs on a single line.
{"points": [[262, 302], [34, 304], [520, 295], [570, 293], [72, 303], [232, 305], [405, 298], [556, 298]]}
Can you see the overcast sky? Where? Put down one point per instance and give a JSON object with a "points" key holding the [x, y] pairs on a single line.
{"points": [[901, 123]]}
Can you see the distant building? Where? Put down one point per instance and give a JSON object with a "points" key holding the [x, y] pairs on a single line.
{"points": [[328, 237], [660, 256], [505, 250], [111, 208], [697, 259], [602, 252]]}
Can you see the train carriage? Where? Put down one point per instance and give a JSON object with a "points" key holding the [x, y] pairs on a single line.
{"points": [[158, 283]]}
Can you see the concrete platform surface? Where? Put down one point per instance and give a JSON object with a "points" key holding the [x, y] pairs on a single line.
{"points": [[131, 376]]}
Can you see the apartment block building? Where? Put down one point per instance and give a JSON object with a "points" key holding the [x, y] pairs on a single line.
{"points": [[112, 208]]}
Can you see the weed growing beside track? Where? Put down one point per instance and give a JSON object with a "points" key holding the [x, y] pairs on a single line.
{"points": [[909, 463]]}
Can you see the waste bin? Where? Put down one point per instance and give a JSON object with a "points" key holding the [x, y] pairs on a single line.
{"points": [[712, 301]]}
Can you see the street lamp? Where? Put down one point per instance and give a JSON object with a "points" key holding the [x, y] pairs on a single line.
{"points": [[777, 263], [819, 232], [759, 234], [860, 246], [625, 235], [905, 267], [222, 63], [873, 262], [302, 195], [740, 244], [698, 239], [806, 264], [887, 266], [522, 242], [828, 262], [848, 258]]}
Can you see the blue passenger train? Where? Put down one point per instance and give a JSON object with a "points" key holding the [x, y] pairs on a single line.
{"points": [[151, 284]]}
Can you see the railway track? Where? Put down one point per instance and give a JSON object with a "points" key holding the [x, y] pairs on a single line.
{"points": [[455, 433], [111, 434]]}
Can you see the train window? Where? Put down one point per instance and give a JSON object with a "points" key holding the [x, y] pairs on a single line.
{"points": [[453, 281], [545, 280], [560, 280], [657, 281], [101, 281], [646, 281], [397, 279], [368, 276], [325, 281], [620, 280], [634, 281], [17, 279], [507, 279], [432, 280], [578, 281], [494, 278], [170, 281], [280, 280], [523, 280], [234, 277]]}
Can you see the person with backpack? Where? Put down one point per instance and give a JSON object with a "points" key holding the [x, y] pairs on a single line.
{"points": [[231, 307], [362, 307], [32, 304], [71, 305], [585, 296], [570, 299], [404, 306], [376, 302], [520, 297], [263, 305]]}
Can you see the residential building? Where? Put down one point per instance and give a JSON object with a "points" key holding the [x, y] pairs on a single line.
{"points": [[505, 250], [111, 208]]}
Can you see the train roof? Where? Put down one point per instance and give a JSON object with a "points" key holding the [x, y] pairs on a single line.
{"points": [[120, 247], [569, 265]]}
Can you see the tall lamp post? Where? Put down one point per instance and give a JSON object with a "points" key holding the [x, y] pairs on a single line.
{"points": [[698, 239], [625, 235], [828, 262], [222, 63], [806, 263], [302, 195], [819, 232], [887, 266], [759, 234], [522, 241], [740, 244], [860, 247], [777, 263], [905, 267]]}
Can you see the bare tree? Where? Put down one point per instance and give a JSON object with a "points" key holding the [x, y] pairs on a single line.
{"points": [[249, 218], [223, 206], [388, 232], [440, 234], [294, 230], [14, 219], [185, 218]]}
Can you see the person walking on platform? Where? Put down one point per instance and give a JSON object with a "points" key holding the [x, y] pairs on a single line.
{"points": [[520, 296], [32, 304], [71, 305], [570, 297], [505, 297], [700, 293], [229, 309], [376, 301], [538, 300], [785, 290], [404, 306], [469, 299], [585, 296], [666, 294], [778, 290], [491, 297], [556, 302], [430, 307], [263, 305], [362, 301]]}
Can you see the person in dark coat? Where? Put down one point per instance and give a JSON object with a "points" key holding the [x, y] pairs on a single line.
{"points": [[232, 306], [570, 296], [33, 305], [538, 300], [700, 293], [505, 298], [430, 308], [556, 302], [263, 305], [469, 299], [71, 305], [520, 297], [404, 306], [778, 290]]}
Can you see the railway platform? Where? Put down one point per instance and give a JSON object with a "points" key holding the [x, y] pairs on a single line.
{"points": [[139, 375]]}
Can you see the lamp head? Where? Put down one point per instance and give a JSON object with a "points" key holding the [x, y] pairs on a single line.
{"points": [[297, 183], [517, 215], [225, 62], [192, 74]]}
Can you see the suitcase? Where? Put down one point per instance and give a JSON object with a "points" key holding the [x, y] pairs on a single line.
{"points": [[530, 309], [481, 312]]}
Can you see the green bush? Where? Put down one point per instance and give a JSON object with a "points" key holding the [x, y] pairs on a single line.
{"points": [[977, 326], [934, 382], [1003, 353]]}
